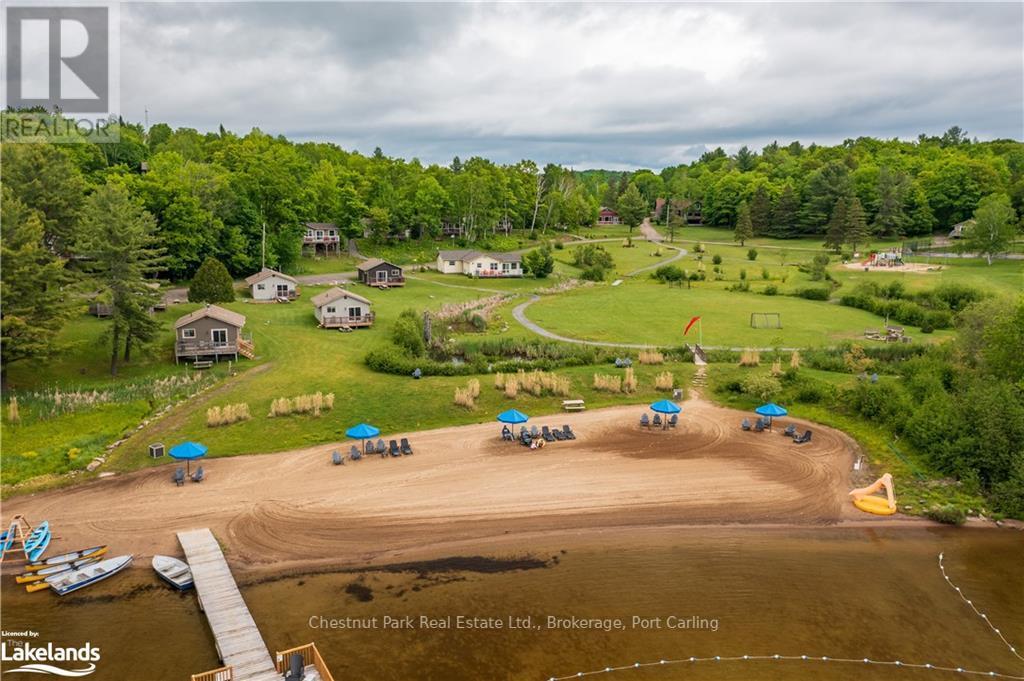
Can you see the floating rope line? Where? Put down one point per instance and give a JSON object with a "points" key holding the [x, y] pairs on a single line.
{"points": [[977, 612], [826, 658], [781, 658]]}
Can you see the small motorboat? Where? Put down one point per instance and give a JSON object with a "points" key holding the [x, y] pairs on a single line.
{"points": [[70, 557], [175, 572], [66, 582], [41, 575]]}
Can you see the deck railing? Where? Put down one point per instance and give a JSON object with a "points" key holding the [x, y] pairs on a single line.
{"points": [[221, 674], [498, 273], [365, 319], [191, 347], [310, 657], [320, 239]]}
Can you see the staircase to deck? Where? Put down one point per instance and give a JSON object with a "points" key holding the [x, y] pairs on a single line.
{"points": [[246, 348]]}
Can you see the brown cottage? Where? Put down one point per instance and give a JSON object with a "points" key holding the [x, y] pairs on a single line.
{"points": [[211, 331], [377, 272]]}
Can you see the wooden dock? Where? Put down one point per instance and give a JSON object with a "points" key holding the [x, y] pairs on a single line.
{"points": [[239, 641]]}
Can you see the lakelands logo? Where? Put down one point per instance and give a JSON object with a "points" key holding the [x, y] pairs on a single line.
{"points": [[39, 659]]}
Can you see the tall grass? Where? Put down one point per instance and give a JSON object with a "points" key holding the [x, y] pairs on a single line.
{"points": [[750, 358], [608, 384], [312, 403], [664, 381], [794, 359], [629, 382], [228, 414], [651, 357], [13, 415]]}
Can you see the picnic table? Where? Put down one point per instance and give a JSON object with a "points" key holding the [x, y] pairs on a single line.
{"points": [[573, 405]]}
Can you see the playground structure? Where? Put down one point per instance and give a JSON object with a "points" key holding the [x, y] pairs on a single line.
{"points": [[765, 320], [889, 258], [865, 498], [892, 334]]}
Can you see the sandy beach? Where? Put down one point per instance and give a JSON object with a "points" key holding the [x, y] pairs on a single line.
{"points": [[464, 488]]}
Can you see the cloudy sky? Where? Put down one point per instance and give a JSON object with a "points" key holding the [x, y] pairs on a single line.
{"points": [[588, 85]]}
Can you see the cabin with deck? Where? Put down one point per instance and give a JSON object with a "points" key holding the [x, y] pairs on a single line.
{"points": [[268, 284], [337, 308], [380, 273], [211, 332], [322, 237], [607, 216], [477, 264]]}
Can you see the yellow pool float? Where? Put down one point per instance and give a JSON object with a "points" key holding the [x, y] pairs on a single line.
{"points": [[864, 497]]}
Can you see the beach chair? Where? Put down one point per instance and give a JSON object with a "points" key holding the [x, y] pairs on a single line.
{"points": [[296, 668], [800, 439], [644, 421], [546, 434], [198, 475], [506, 434], [558, 434], [673, 420], [381, 449], [759, 426], [567, 432], [368, 447], [534, 433], [525, 439], [656, 421], [406, 447], [336, 458], [179, 477], [393, 449], [790, 430], [874, 378], [745, 425], [355, 456]]}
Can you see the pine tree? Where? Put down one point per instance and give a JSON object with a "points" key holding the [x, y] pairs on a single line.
{"points": [[119, 243], [785, 213], [744, 228], [632, 207], [212, 283], [890, 220], [836, 234], [34, 305], [856, 231], [760, 210]]}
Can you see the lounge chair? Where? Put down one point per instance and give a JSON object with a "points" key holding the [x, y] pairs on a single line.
{"points": [[336, 458], [800, 439], [381, 448], [790, 430], [759, 426], [567, 432], [546, 434], [644, 421], [524, 438], [356, 455], [506, 434], [656, 421], [179, 477], [368, 447], [198, 475], [534, 433], [673, 420], [296, 668], [393, 449], [406, 447], [745, 425]]}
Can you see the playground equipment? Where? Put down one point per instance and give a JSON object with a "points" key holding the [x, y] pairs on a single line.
{"points": [[890, 258], [865, 499], [765, 320]]}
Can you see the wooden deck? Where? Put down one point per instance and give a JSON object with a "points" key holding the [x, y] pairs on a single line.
{"points": [[239, 641]]}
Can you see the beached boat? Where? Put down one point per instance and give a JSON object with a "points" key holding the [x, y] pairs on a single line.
{"points": [[7, 538], [42, 575], [37, 541], [70, 557], [175, 572], [74, 580]]}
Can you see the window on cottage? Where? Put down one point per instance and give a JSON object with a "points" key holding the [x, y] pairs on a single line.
{"points": [[188, 333]]}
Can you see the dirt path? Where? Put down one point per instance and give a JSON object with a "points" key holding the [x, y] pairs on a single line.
{"points": [[464, 485]]}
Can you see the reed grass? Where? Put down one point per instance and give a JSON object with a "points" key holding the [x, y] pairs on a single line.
{"points": [[664, 381], [606, 383], [750, 358], [228, 414], [651, 357]]}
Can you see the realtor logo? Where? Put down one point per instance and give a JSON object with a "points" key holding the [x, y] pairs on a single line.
{"points": [[58, 58]]}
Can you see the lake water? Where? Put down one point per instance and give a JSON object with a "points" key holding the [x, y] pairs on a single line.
{"points": [[840, 592]]}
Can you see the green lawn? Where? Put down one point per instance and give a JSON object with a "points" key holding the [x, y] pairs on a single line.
{"points": [[324, 264], [642, 254], [647, 312]]}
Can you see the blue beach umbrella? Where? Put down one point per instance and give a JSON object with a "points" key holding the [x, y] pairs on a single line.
{"points": [[513, 416], [188, 451], [666, 407], [362, 431], [771, 410]]}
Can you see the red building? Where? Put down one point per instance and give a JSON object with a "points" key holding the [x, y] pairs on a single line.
{"points": [[608, 217]]}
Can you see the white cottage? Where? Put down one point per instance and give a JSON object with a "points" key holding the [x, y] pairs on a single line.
{"points": [[478, 264], [268, 284], [338, 308]]}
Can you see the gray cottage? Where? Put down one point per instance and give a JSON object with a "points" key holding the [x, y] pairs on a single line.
{"points": [[380, 273], [211, 331]]}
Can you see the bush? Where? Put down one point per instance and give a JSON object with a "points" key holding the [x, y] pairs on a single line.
{"points": [[407, 333], [668, 273], [813, 293], [593, 273], [716, 259], [950, 515], [211, 283], [761, 386], [771, 290], [539, 262], [752, 254]]}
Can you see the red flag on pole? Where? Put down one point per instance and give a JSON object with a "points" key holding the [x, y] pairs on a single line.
{"points": [[692, 322]]}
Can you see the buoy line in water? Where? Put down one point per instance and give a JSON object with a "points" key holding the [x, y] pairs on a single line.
{"points": [[977, 612], [826, 658]]}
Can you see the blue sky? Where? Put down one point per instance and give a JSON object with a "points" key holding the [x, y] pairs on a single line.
{"points": [[613, 85]]}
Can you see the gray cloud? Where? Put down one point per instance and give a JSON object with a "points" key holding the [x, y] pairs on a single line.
{"points": [[610, 85]]}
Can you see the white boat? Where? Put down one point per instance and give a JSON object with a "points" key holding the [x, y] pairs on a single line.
{"points": [[175, 572], [76, 579], [40, 575], [71, 557]]}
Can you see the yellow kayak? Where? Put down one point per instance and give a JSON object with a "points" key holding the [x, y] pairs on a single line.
{"points": [[876, 505]]}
